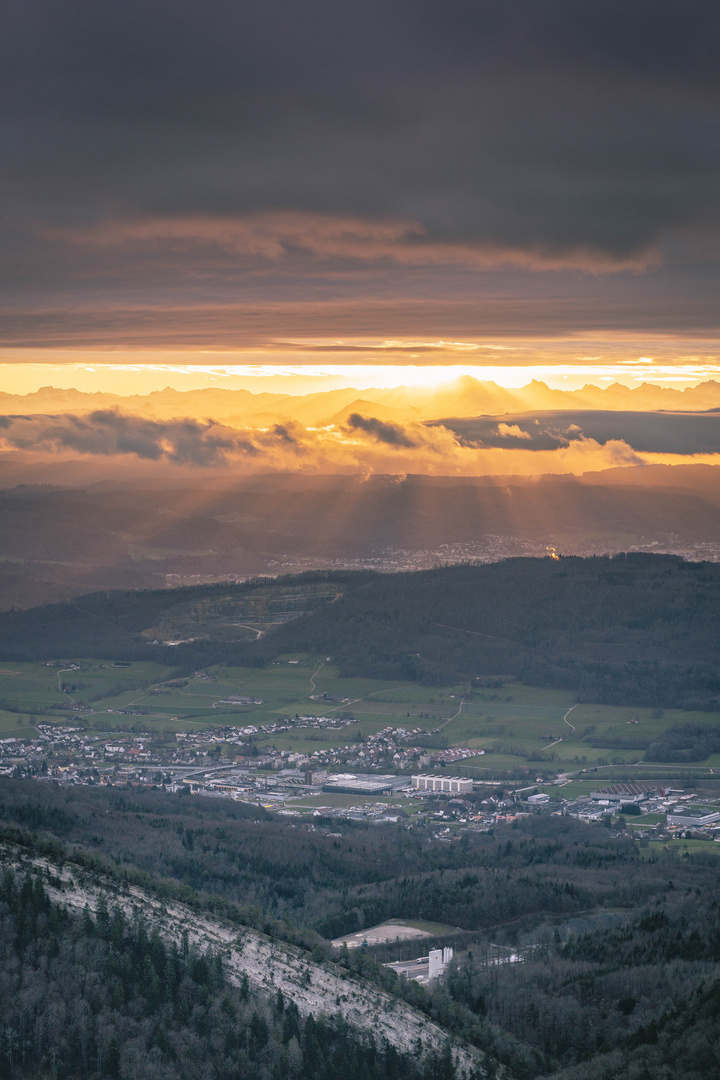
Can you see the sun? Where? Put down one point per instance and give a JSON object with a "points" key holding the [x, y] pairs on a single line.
{"points": [[298, 368]]}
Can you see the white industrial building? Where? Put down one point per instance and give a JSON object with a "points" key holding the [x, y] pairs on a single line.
{"points": [[452, 785], [366, 784], [424, 968], [438, 960], [623, 793], [694, 817]]}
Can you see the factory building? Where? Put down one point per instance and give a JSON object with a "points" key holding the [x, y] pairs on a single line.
{"points": [[694, 817], [424, 968], [351, 784], [623, 793], [452, 785], [437, 961]]}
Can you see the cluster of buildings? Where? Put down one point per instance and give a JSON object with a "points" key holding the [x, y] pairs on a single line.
{"points": [[646, 808], [391, 748], [450, 755], [194, 761], [425, 968], [59, 749], [491, 548], [387, 748], [239, 735]]}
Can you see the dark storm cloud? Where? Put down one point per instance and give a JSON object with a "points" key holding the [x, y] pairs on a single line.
{"points": [[645, 432], [576, 124], [578, 129], [388, 433], [108, 433]]}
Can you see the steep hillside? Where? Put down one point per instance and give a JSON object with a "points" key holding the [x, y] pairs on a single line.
{"points": [[142, 989]]}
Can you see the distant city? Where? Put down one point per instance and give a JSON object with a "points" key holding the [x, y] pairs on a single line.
{"points": [[489, 549]]}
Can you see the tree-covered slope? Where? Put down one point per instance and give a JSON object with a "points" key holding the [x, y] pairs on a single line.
{"points": [[105, 995], [619, 941], [632, 629]]}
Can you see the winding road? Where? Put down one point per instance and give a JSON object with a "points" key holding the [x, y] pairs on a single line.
{"points": [[312, 677], [565, 717], [453, 717]]}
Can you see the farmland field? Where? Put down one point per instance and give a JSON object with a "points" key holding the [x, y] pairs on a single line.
{"points": [[679, 847], [509, 724]]}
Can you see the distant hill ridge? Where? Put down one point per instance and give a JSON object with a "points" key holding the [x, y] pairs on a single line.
{"points": [[632, 629], [465, 396]]}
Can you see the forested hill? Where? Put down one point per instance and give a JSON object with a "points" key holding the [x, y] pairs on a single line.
{"points": [[633, 629], [84, 998], [620, 941]]}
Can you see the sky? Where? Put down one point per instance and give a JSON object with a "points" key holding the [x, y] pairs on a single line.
{"points": [[273, 195]]}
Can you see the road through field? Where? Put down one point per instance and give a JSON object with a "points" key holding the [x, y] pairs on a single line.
{"points": [[565, 717], [312, 677], [453, 717]]}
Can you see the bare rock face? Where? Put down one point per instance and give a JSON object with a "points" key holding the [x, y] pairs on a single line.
{"points": [[269, 966]]}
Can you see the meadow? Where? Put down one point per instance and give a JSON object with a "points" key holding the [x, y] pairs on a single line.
{"points": [[678, 847], [510, 725]]}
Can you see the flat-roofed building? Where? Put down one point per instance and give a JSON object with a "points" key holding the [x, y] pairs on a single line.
{"points": [[623, 793], [451, 785], [694, 817], [367, 784]]}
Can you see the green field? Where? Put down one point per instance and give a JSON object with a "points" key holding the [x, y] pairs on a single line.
{"points": [[679, 847], [515, 726], [437, 929], [35, 693]]}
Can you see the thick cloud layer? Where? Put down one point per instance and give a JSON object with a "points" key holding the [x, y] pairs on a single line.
{"points": [[389, 433], [646, 432], [109, 433], [176, 152], [521, 445], [574, 125]]}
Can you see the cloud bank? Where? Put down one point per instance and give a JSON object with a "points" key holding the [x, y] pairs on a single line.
{"points": [[443, 113], [161, 162], [523, 445], [108, 433], [647, 432]]}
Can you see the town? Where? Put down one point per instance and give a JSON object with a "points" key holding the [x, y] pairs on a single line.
{"points": [[229, 763]]}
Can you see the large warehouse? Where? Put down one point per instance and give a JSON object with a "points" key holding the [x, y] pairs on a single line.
{"points": [[455, 785], [351, 784]]}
